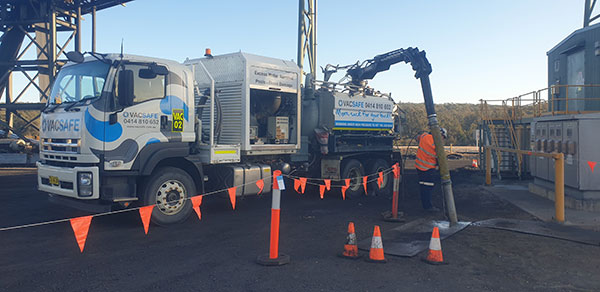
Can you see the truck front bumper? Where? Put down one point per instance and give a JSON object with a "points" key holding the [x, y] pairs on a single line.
{"points": [[67, 180]]}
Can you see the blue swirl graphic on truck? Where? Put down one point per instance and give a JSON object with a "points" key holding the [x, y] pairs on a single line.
{"points": [[102, 130], [170, 102]]}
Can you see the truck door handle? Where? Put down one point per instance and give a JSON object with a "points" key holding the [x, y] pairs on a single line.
{"points": [[163, 122]]}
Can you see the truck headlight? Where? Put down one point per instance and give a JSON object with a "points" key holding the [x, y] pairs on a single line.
{"points": [[84, 184]]}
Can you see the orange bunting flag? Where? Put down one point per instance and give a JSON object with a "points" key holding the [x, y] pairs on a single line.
{"points": [[261, 186], [297, 185], [321, 190], [145, 213], [328, 184], [344, 188], [196, 202], [302, 183], [232, 196], [592, 164], [81, 226], [396, 170], [380, 180], [365, 183]]}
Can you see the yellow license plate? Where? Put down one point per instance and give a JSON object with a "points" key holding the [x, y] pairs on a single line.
{"points": [[53, 180]]}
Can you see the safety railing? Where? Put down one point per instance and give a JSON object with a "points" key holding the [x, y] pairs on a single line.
{"points": [[559, 175], [545, 101], [555, 100]]}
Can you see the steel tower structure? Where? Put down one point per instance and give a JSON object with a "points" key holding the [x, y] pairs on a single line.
{"points": [[37, 24], [587, 13], [307, 35]]}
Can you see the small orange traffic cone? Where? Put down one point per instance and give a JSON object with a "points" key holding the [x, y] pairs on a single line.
{"points": [[376, 252], [474, 163], [435, 248], [351, 248]]}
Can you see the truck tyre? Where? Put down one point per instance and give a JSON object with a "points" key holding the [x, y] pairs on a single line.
{"points": [[169, 189], [353, 169], [374, 168]]}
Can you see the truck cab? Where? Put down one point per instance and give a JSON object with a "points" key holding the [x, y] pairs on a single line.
{"points": [[109, 120]]}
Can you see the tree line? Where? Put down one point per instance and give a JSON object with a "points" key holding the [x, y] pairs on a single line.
{"points": [[459, 119]]}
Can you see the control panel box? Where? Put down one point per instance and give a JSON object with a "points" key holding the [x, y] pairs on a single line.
{"points": [[576, 136], [278, 129]]}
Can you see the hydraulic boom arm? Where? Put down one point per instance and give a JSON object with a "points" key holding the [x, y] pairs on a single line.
{"points": [[380, 63]]}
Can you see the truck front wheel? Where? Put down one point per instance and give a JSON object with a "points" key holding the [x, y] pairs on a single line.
{"points": [[169, 189]]}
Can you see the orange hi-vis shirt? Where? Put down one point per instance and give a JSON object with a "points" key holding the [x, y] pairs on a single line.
{"points": [[426, 158]]}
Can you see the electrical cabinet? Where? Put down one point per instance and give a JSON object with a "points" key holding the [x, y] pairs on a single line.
{"points": [[577, 137]]}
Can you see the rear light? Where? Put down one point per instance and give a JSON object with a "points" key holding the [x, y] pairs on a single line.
{"points": [[323, 139]]}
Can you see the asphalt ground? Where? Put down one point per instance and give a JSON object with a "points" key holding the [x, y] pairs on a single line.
{"points": [[218, 253]]}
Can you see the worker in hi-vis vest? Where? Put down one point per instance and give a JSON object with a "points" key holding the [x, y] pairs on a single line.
{"points": [[425, 163]]}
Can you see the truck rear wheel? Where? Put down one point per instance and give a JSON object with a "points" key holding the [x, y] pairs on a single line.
{"points": [[380, 165], [169, 189], [353, 169]]}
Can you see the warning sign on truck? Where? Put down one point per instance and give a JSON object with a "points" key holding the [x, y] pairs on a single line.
{"points": [[178, 120]]}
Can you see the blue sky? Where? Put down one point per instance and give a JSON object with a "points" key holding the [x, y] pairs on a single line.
{"points": [[478, 49]]}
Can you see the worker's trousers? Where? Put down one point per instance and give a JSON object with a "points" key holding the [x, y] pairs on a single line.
{"points": [[426, 185]]}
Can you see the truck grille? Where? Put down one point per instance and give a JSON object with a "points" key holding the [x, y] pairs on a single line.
{"points": [[60, 149], [66, 146]]}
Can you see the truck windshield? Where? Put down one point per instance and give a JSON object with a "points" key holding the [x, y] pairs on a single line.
{"points": [[78, 82]]}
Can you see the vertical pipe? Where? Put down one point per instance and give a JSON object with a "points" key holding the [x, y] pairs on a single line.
{"points": [[559, 187], [587, 13], [434, 128], [567, 100], [488, 166], [78, 30], [552, 89], [301, 27], [51, 49], [313, 39], [78, 48], [8, 113], [94, 29], [519, 154]]}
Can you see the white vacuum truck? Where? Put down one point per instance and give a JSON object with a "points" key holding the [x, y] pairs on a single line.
{"points": [[123, 130]]}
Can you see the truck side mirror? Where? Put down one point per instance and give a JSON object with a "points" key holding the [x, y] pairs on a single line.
{"points": [[125, 88]]}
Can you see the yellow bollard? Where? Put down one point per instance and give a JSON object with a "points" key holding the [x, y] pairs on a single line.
{"points": [[488, 166], [559, 187]]}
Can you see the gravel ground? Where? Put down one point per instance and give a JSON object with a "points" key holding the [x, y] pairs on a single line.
{"points": [[218, 253]]}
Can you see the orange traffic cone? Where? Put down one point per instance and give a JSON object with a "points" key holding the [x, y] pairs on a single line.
{"points": [[435, 248], [474, 163], [351, 248], [376, 252]]}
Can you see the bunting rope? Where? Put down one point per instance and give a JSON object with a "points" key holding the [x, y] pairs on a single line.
{"points": [[81, 225], [117, 211], [386, 171], [259, 183]]}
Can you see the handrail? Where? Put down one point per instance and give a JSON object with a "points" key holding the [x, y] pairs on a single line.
{"points": [[559, 175], [539, 105]]}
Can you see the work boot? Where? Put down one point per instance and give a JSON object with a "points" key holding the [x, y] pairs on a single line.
{"points": [[433, 209]]}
